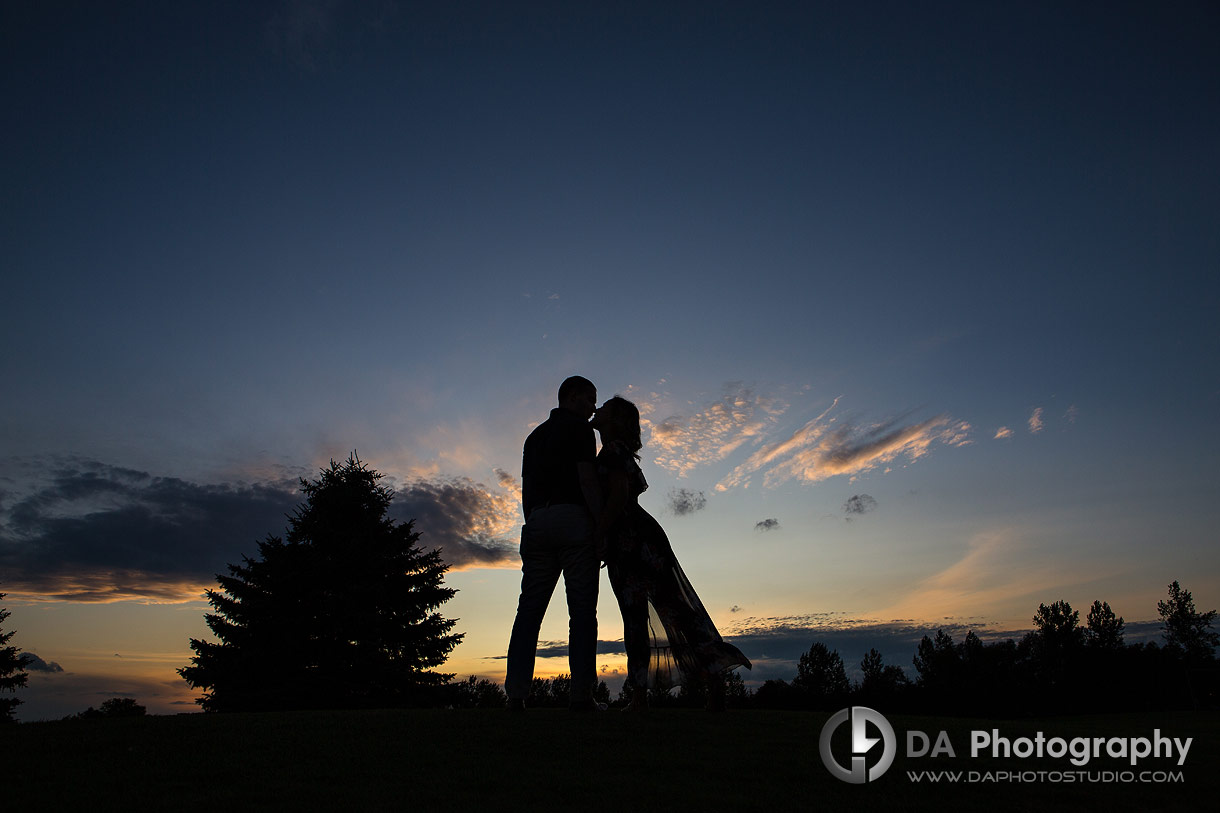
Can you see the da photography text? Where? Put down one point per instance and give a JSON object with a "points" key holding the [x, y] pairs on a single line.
{"points": [[869, 745]]}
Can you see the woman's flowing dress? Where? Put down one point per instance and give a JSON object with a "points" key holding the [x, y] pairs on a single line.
{"points": [[665, 623]]}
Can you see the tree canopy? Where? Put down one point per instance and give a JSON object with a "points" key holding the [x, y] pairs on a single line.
{"points": [[114, 707], [821, 675], [340, 612], [1185, 628], [880, 679], [1058, 625], [1105, 629]]}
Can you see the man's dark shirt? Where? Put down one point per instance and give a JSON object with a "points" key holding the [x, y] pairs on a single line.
{"points": [[548, 468]]}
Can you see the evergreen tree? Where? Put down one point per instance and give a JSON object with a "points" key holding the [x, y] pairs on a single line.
{"points": [[1185, 629], [12, 676], [340, 612]]}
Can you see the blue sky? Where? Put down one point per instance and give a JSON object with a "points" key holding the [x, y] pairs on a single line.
{"points": [[958, 258]]}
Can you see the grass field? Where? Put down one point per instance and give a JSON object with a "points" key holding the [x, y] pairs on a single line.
{"points": [[553, 760]]}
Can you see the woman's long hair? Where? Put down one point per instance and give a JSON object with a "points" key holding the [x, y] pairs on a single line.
{"points": [[627, 421]]}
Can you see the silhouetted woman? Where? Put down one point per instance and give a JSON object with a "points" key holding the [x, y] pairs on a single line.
{"points": [[648, 582]]}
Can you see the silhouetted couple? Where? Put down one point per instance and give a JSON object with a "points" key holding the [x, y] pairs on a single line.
{"points": [[580, 509]]}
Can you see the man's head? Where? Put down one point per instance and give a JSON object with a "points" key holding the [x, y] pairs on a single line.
{"points": [[577, 394]]}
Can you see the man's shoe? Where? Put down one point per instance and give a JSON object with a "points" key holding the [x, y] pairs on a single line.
{"points": [[516, 704]]}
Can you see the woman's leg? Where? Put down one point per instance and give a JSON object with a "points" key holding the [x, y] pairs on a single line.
{"points": [[633, 604]]}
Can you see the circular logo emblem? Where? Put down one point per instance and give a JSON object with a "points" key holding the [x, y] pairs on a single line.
{"points": [[861, 744]]}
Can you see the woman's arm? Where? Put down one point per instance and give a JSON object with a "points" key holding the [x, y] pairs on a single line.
{"points": [[590, 488], [616, 502]]}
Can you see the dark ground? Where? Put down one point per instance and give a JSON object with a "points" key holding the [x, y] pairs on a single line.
{"points": [[553, 759]]}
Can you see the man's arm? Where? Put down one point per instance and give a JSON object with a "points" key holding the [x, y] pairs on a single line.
{"points": [[528, 500], [533, 479]]}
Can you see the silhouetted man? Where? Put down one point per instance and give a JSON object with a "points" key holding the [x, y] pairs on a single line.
{"points": [[560, 496]]}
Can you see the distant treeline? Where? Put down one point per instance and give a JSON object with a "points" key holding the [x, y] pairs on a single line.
{"points": [[1058, 667]]}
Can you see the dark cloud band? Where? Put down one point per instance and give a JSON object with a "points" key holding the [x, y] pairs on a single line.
{"points": [[93, 532], [32, 663]]}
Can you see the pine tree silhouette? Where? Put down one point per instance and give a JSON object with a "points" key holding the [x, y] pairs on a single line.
{"points": [[340, 613], [12, 676]]}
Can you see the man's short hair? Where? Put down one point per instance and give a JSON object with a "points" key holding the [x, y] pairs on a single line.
{"points": [[574, 384]]}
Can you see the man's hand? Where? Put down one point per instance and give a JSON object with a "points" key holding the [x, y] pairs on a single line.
{"points": [[600, 543]]}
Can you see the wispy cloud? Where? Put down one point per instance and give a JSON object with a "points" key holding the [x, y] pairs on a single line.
{"points": [[742, 422], [683, 443], [769, 524], [1003, 432], [997, 570], [508, 482], [1035, 421], [828, 447]]}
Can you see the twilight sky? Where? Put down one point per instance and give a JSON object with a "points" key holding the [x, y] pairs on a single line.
{"points": [[918, 301]]}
